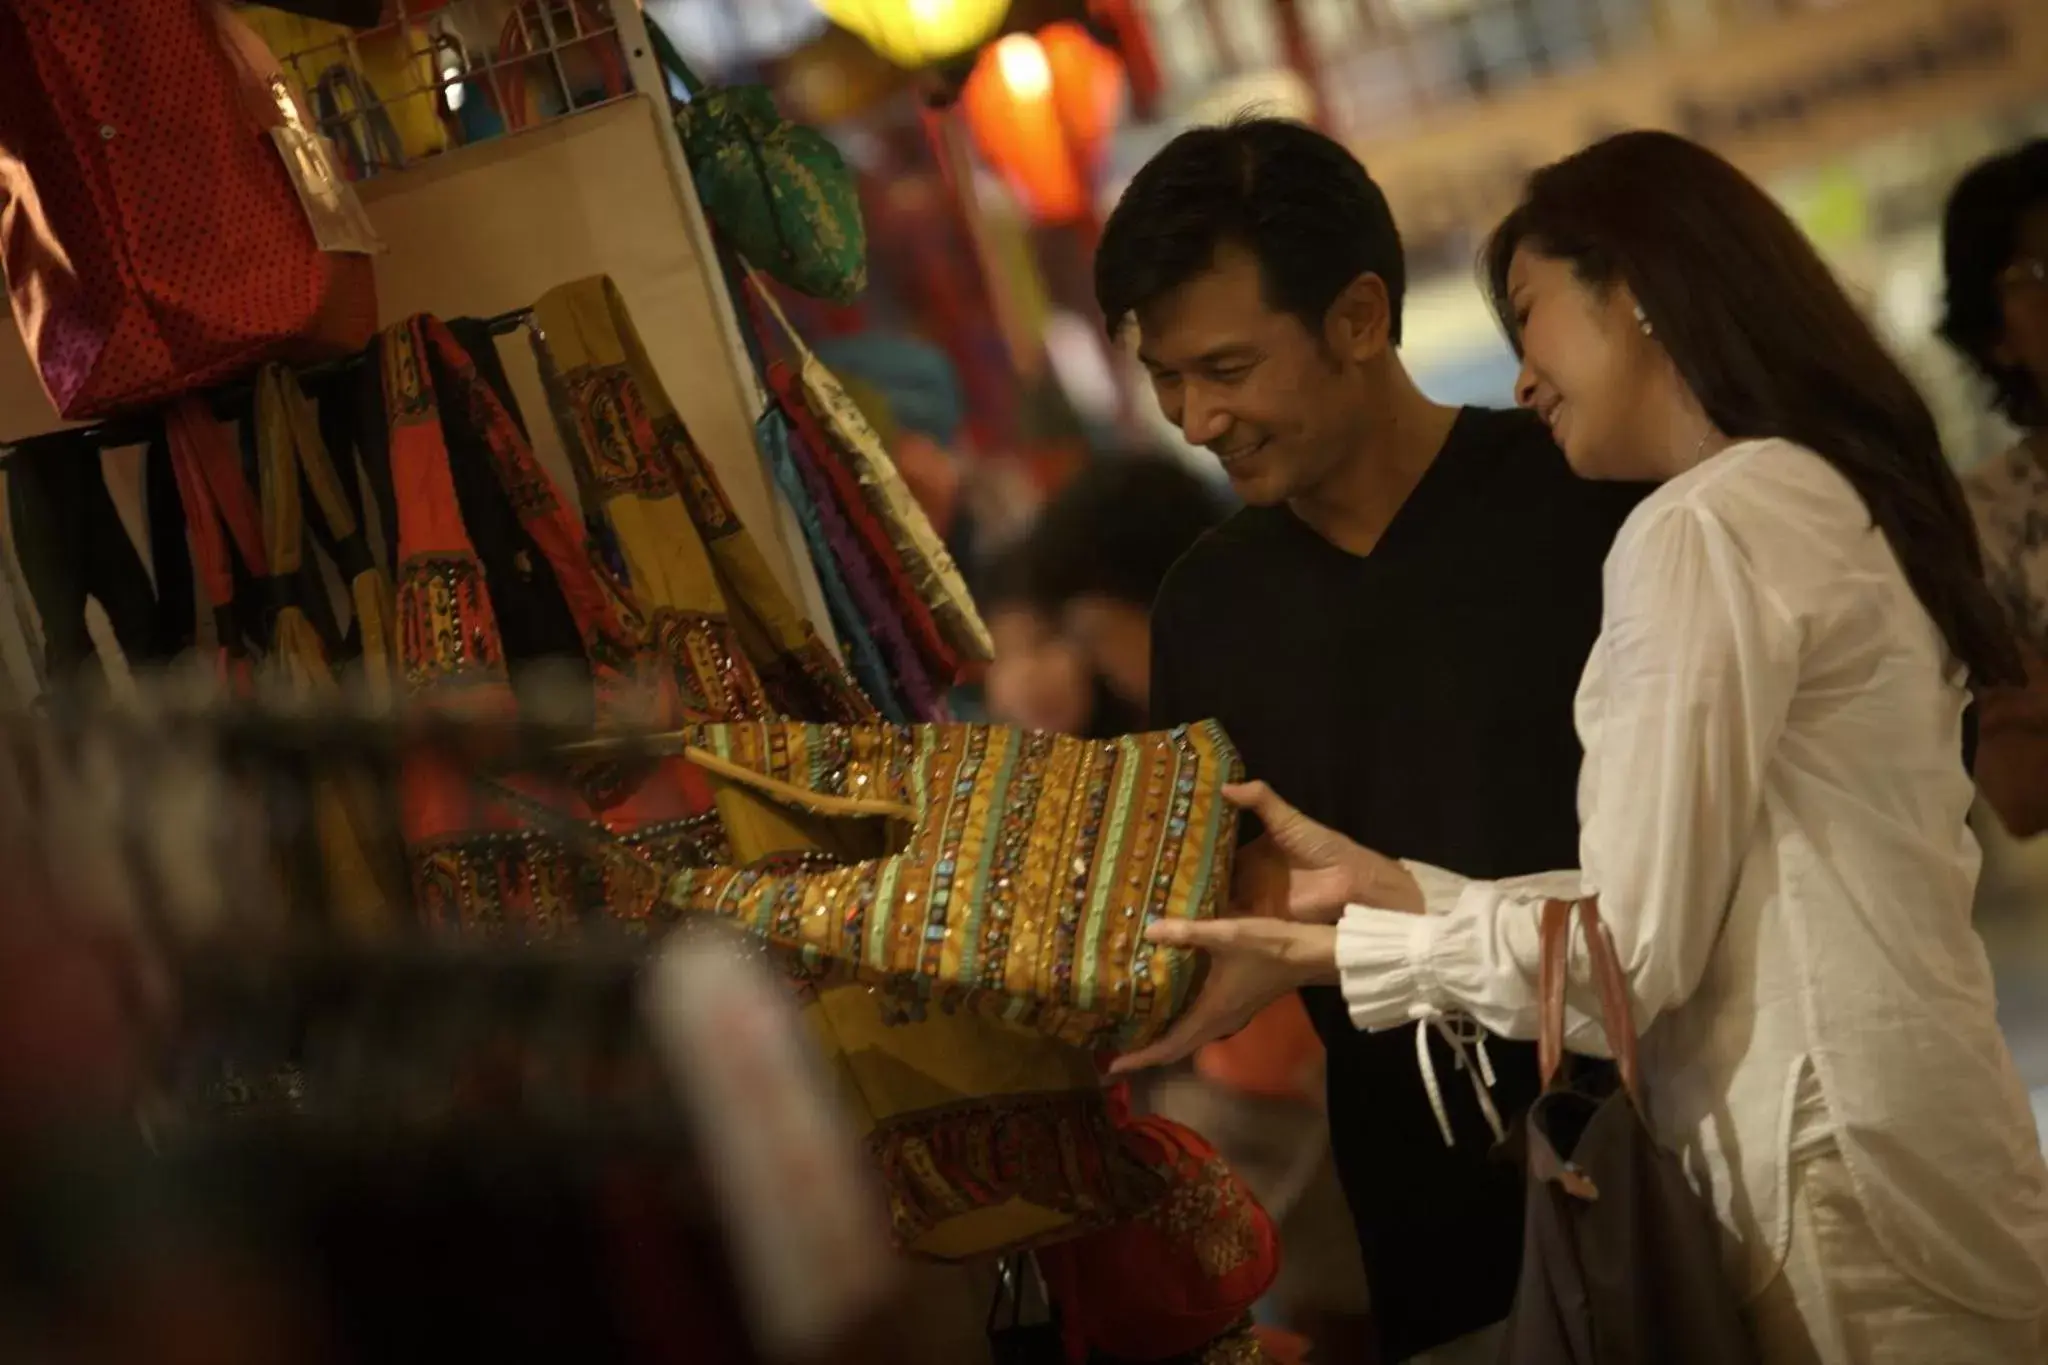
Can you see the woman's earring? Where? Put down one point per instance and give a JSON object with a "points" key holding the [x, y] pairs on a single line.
{"points": [[1643, 321]]}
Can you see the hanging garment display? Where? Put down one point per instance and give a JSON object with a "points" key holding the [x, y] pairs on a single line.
{"points": [[155, 239], [711, 604], [779, 190], [493, 576], [931, 567]]}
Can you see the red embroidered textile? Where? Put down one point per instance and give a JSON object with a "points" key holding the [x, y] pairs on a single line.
{"points": [[1182, 1273]]}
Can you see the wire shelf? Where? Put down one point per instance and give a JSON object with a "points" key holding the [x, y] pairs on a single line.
{"points": [[441, 74]]}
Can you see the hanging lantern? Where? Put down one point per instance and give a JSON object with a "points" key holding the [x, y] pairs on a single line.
{"points": [[1041, 107], [915, 33]]}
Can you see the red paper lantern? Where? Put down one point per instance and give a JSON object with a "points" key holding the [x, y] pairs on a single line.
{"points": [[1041, 107]]}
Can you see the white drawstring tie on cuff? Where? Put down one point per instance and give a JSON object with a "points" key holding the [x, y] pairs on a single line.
{"points": [[1462, 1033]]}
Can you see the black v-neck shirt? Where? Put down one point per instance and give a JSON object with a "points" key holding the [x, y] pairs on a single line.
{"points": [[1418, 699]]}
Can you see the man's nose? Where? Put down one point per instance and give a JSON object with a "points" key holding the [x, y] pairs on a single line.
{"points": [[1201, 421]]}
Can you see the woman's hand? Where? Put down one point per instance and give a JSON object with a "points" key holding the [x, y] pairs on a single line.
{"points": [[1325, 870], [1253, 961]]}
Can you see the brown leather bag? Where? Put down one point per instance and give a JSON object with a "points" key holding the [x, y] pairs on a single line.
{"points": [[1621, 1258]]}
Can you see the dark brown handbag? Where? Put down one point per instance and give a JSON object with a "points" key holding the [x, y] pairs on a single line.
{"points": [[1621, 1258]]}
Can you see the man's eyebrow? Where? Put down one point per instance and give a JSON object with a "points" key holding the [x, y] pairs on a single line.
{"points": [[1230, 351]]}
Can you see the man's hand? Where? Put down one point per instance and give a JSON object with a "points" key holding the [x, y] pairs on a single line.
{"points": [[1325, 870], [1252, 963]]}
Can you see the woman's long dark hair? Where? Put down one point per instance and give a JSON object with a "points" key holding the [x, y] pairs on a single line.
{"points": [[1769, 343]]}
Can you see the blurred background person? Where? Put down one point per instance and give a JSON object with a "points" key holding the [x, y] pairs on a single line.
{"points": [[1103, 545], [1995, 257], [1040, 679]]}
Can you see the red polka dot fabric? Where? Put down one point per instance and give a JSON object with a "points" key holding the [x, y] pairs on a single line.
{"points": [[152, 240]]}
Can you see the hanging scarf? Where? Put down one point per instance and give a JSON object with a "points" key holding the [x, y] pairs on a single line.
{"points": [[293, 458], [864, 657], [933, 576], [903, 625], [879, 606], [225, 527], [714, 609]]}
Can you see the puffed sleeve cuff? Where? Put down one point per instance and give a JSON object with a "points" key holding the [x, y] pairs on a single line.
{"points": [[1395, 968], [1382, 965]]}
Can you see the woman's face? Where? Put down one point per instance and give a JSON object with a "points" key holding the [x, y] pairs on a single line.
{"points": [[1039, 680], [1588, 369], [2023, 290]]}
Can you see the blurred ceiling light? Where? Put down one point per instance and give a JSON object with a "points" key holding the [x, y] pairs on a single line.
{"points": [[915, 33], [720, 35], [1024, 68]]}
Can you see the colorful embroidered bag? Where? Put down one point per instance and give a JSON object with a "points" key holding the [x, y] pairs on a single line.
{"points": [[152, 238], [780, 191], [1008, 872]]}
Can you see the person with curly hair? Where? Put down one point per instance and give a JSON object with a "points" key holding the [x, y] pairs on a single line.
{"points": [[1995, 252]]}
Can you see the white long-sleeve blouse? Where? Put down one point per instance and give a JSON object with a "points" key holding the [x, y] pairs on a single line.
{"points": [[1773, 812]]}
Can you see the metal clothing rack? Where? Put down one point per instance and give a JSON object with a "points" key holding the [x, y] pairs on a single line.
{"points": [[227, 400]]}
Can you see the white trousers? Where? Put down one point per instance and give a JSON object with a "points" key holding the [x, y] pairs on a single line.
{"points": [[1840, 1299]]}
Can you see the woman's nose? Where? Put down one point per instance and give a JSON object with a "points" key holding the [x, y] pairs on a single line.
{"points": [[1525, 386]]}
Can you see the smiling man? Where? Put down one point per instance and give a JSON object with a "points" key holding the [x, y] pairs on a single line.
{"points": [[1349, 628]]}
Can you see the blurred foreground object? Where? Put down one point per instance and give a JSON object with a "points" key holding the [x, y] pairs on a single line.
{"points": [[236, 1136]]}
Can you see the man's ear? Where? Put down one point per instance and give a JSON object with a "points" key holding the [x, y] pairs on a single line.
{"points": [[1359, 324]]}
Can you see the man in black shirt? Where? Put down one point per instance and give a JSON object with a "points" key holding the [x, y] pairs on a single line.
{"points": [[1392, 631]]}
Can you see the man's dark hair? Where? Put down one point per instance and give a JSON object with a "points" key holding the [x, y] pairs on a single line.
{"points": [[1116, 529], [1299, 202], [1979, 234]]}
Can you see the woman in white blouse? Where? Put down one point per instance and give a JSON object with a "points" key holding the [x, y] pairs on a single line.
{"points": [[1774, 791]]}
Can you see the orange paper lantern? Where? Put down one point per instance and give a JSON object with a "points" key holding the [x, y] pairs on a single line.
{"points": [[1041, 107]]}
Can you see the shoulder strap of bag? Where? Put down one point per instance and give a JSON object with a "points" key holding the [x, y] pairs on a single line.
{"points": [[1554, 972]]}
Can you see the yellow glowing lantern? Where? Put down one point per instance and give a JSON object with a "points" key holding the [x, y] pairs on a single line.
{"points": [[916, 33]]}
